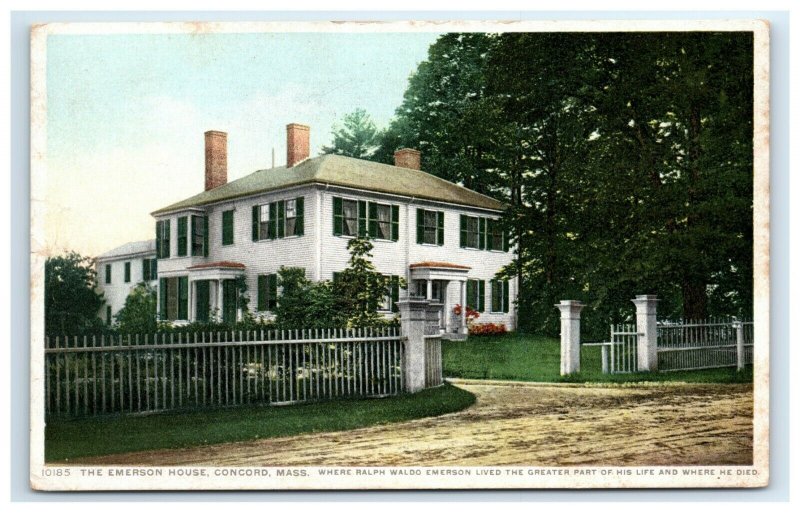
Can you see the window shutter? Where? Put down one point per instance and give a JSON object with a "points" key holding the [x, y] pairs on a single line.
{"points": [[166, 240], [145, 269], [281, 219], [395, 293], [273, 215], [337, 216], [489, 231], [463, 224], [206, 232], [395, 222], [440, 228], [299, 207], [127, 272], [273, 290], [482, 233], [336, 276], [481, 296], [227, 227], [471, 299], [154, 268], [108, 273], [373, 219], [255, 220], [420, 226], [505, 296], [182, 236], [506, 244], [158, 239], [262, 293], [162, 299], [362, 218], [183, 298]]}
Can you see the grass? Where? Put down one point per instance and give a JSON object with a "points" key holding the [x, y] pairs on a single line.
{"points": [[70, 439], [517, 356]]}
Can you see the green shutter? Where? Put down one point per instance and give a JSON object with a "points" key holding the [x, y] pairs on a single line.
{"points": [[505, 296], [158, 239], [206, 233], [336, 276], [420, 226], [482, 233], [489, 232], [395, 293], [506, 241], [154, 268], [440, 228], [281, 219], [273, 290], [362, 218], [299, 207], [262, 293], [463, 224], [395, 222], [108, 273], [227, 227], [373, 219], [145, 269], [256, 220], [202, 304], [337, 216], [472, 299], [481, 296], [273, 216], [162, 299], [183, 298], [182, 236], [127, 272], [166, 241]]}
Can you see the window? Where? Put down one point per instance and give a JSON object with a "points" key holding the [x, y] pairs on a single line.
{"points": [[349, 218], [174, 298], [108, 273], [200, 236], [149, 269], [108, 315], [393, 295], [470, 232], [182, 236], [384, 221], [279, 219], [476, 294], [162, 239], [430, 227], [499, 297], [267, 292], [495, 236], [227, 227], [128, 271]]}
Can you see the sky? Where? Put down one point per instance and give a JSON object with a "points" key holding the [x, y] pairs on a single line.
{"points": [[126, 115]]}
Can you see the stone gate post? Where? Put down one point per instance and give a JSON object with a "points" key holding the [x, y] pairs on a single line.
{"points": [[570, 336], [647, 341], [413, 317]]}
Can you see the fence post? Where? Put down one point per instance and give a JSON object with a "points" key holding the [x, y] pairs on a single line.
{"points": [[413, 316], [570, 336], [739, 326], [646, 327]]}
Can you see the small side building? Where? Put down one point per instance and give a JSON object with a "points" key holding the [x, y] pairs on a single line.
{"points": [[119, 270]]}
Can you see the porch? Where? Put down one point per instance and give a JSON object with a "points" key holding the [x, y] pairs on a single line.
{"points": [[445, 283]]}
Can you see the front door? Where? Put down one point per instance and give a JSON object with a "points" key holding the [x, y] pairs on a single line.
{"points": [[202, 297], [229, 301]]}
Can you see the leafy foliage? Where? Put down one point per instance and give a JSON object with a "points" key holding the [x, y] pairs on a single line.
{"points": [[356, 137], [139, 315], [71, 298]]}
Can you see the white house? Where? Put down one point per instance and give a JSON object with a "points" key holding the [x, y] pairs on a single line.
{"points": [[443, 238], [122, 268]]}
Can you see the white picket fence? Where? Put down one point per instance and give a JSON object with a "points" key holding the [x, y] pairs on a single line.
{"points": [[149, 373], [704, 344]]}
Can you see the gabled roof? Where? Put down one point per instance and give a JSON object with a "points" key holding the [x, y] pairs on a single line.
{"points": [[344, 172], [132, 248]]}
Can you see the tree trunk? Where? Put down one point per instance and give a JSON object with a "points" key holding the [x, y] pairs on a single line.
{"points": [[695, 300]]}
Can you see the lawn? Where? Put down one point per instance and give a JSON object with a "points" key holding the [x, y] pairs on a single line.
{"points": [[517, 356], [71, 439]]}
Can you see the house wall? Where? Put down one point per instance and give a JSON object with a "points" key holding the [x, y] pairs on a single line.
{"points": [[117, 291], [322, 253]]}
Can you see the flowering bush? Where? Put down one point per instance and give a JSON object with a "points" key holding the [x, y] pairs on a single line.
{"points": [[488, 329], [471, 313]]}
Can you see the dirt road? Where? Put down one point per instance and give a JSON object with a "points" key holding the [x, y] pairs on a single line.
{"points": [[519, 424]]}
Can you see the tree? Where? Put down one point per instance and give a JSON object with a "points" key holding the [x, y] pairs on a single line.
{"points": [[72, 301], [359, 289], [356, 137], [139, 315], [305, 304]]}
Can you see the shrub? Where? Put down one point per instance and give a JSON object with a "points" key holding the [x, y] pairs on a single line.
{"points": [[487, 329]]}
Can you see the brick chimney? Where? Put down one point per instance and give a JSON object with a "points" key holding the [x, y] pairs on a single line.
{"points": [[408, 158], [216, 159], [297, 143]]}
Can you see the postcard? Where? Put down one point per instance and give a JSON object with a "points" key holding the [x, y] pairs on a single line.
{"points": [[400, 255]]}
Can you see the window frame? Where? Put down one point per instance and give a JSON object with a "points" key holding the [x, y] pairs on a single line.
{"points": [[503, 297], [108, 276], [183, 236], [267, 292], [127, 270], [163, 239], [199, 238], [423, 228]]}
